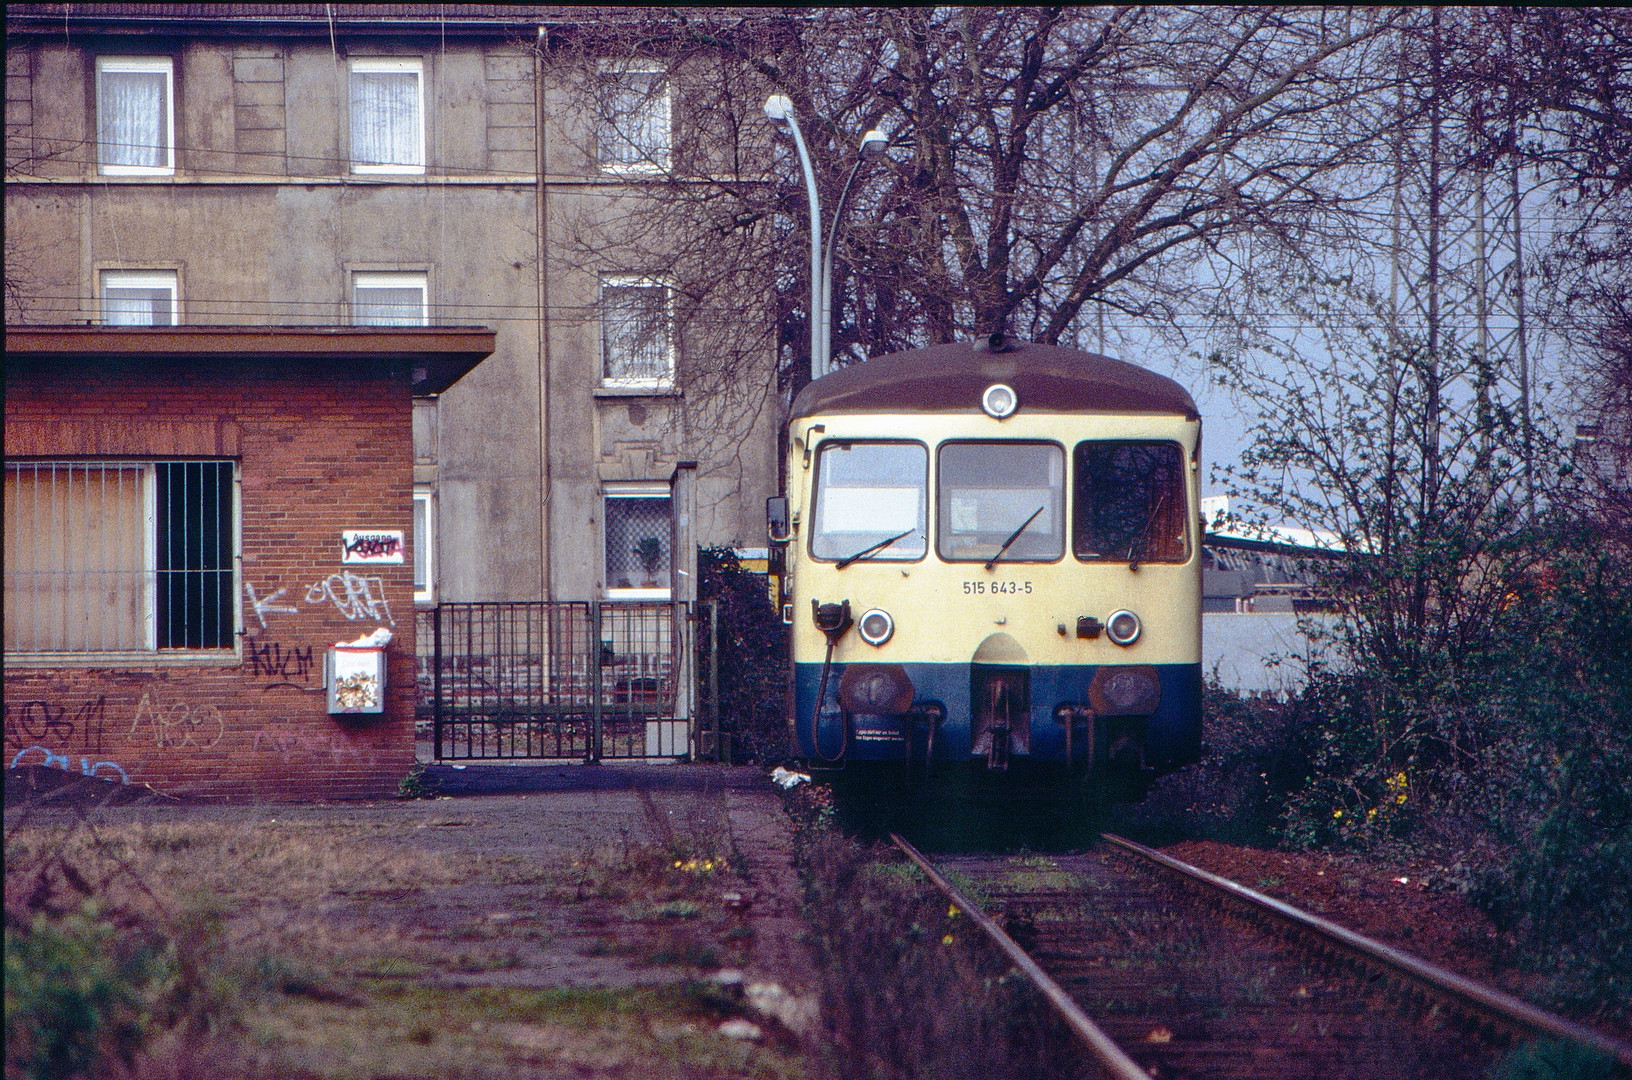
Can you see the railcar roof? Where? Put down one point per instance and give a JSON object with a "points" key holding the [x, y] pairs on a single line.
{"points": [[951, 378]]}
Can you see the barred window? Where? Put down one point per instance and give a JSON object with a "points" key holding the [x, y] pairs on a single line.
{"points": [[633, 127], [135, 116], [120, 556], [639, 538], [387, 116], [636, 342]]}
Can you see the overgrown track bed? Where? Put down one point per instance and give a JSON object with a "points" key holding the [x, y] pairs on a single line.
{"points": [[1189, 975]]}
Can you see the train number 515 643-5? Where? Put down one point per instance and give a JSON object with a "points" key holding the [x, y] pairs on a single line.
{"points": [[995, 588]]}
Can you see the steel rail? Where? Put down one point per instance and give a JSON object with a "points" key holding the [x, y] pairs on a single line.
{"points": [[1111, 1056], [1491, 1002]]}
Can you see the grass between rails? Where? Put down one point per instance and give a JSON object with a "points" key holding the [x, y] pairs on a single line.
{"points": [[342, 949], [910, 987]]}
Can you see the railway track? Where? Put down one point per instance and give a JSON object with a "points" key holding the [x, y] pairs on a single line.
{"points": [[1165, 970]]}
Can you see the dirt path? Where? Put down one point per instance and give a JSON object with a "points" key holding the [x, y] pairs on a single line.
{"points": [[663, 895]]}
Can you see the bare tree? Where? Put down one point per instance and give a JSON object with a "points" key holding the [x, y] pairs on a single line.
{"points": [[1049, 164]]}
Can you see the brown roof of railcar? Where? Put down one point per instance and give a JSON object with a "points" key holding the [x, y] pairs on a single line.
{"points": [[951, 378]]}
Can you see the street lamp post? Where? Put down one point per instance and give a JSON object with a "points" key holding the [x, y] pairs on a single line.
{"points": [[779, 109], [873, 145]]}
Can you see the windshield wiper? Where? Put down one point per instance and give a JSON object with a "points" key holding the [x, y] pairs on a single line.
{"points": [[866, 551], [1141, 543], [1015, 535]]}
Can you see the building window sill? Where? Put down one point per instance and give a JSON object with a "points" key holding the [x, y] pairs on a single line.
{"points": [[128, 661], [636, 391]]}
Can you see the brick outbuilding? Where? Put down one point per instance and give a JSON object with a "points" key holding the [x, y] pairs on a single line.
{"points": [[194, 516]]}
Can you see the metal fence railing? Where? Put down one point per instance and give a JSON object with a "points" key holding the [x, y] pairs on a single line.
{"points": [[557, 679]]}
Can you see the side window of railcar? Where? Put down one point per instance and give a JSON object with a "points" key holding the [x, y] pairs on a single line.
{"points": [[1130, 502], [996, 493], [868, 493]]}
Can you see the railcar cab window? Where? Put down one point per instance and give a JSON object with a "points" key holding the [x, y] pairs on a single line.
{"points": [[1130, 502], [1002, 501], [871, 501]]}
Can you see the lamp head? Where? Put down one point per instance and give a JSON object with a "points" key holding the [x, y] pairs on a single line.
{"points": [[779, 110], [873, 144]]}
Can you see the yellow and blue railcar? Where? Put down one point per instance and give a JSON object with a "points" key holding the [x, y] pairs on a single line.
{"points": [[993, 557]]}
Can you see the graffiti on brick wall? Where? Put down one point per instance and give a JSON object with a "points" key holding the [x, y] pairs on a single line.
{"points": [[39, 722], [179, 725], [291, 745], [52, 760], [268, 606], [355, 596], [288, 668]]}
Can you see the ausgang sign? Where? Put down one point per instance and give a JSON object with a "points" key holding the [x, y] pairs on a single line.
{"points": [[371, 546]]}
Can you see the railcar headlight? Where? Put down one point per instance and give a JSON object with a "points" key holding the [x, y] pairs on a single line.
{"points": [[876, 626], [999, 401], [1123, 627]]}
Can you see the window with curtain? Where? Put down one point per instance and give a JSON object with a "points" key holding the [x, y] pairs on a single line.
{"points": [[387, 116], [120, 556], [637, 346], [389, 299], [632, 133], [135, 116], [139, 298]]}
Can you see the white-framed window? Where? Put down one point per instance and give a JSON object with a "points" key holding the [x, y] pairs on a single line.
{"points": [[380, 298], [424, 545], [120, 556], [135, 116], [639, 533], [633, 132], [387, 115], [140, 298], [637, 332]]}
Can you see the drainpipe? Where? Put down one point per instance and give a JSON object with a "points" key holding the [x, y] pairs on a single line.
{"points": [[543, 324]]}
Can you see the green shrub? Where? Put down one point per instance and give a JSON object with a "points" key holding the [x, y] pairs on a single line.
{"points": [[753, 657], [77, 995]]}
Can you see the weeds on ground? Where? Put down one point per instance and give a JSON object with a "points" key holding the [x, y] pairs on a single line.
{"points": [[162, 951], [416, 785], [909, 985]]}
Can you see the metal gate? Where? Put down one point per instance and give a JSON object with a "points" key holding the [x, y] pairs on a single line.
{"points": [[557, 679]]}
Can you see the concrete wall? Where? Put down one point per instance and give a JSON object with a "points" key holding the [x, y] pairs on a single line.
{"points": [[264, 224], [320, 448]]}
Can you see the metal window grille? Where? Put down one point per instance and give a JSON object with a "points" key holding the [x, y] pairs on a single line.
{"points": [[634, 123], [125, 556], [639, 531], [635, 345], [194, 532]]}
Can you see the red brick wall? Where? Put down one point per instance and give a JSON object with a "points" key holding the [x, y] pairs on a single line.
{"points": [[321, 448]]}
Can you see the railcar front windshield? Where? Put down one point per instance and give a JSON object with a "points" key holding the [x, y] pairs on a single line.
{"points": [[870, 494], [1130, 502], [1002, 501]]}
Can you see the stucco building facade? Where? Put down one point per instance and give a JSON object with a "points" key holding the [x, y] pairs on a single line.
{"points": [[316, 166], [341, 164]]}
